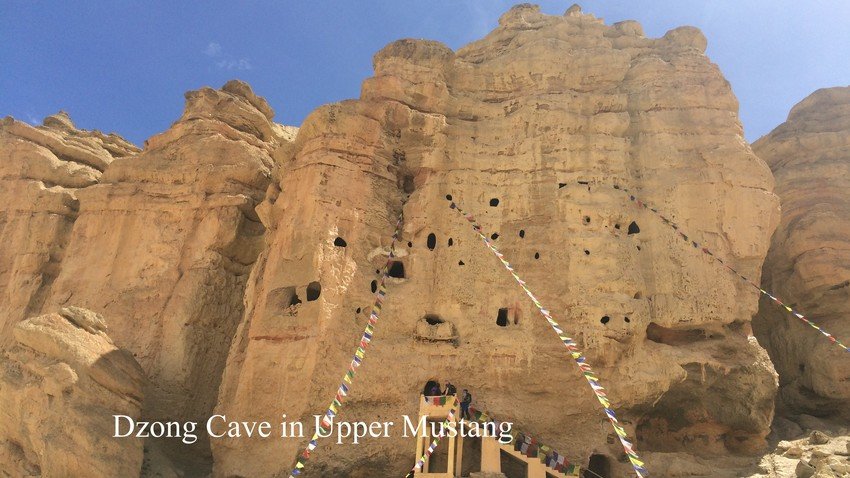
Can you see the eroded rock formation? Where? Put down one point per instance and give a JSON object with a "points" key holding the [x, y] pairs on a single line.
{"points": [[41, 168], [60, 385], [528, 129], [808, 265], [163, 244]]}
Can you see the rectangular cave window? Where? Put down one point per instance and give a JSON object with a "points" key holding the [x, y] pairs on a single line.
{"points": [[396, 270], [502, 318]]}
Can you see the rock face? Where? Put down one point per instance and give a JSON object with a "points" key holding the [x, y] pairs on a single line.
{"points": [[163, 245], [808, 265], [41, 169], [60, 384], [528, 129]]}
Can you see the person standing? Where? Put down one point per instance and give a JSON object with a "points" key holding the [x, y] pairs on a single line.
{"points": [[450, 389], [465, 401]]}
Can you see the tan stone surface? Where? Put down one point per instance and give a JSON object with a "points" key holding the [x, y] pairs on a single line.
{"points": [[808, 265], [541, 101], [60, 384], [41, 168], [163, 245]]}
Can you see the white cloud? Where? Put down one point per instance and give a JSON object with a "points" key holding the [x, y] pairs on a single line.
{"points": [[213, 49], [225, 61], [240, 64]]}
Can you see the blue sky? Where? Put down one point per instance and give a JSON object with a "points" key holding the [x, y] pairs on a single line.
{"points": [[124, 65]]}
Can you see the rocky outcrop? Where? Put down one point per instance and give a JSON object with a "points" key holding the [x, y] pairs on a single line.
{"points": [[528, 129], [60, 385], [808, 265], [163, 245], [41, 168]]}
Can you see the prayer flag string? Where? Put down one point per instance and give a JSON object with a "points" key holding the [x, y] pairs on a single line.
{"points": [[450, 418], [705, 250], [569, 343], [359, 355], [531, 447]]}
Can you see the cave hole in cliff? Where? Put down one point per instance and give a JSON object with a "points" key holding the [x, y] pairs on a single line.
{"points": [[396, 269], [627, 320], [561, 185], [374, 286], [587, 219], [432, 241], [502, 318], [407, 184], [433, 319], [294, 300], [449, 197], [461, 263], [522, 233], [633, 228], [340, 242], [586, 252], [605, 319], [494, 236], [616, 226], [409, 244], [494, 202], [357, 311], [664, 335], [638, 247], [537, 255], [314, 290], [599, 466], [638, 295], [451, 242]]}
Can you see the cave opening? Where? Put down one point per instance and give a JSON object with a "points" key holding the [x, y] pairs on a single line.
{"points": [[374, 286], [451, 242], [633, 228], [396, 269], [461, 263], [598, 467], [407, 184], [587, 219], [494, 202], [314, 290], [605, 319], [522, 233], [432, 241], [586, 252], [340, 242], [502, 318], [294, 300], [676, 337], [433, 319], [537, 255], [494, 236]]}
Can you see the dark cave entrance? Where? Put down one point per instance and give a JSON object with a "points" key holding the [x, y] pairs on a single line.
{"points": [[599, 466], [502, 318]]}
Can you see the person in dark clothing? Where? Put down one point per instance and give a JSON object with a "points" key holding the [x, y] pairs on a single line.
{"points": [[465, 401], [450, 389]]}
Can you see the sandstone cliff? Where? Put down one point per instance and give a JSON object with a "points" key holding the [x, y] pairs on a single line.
{"points": [[527, 128], [160, 241], [41, 168], [809, 260], [163, 244], [60, 385]]}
